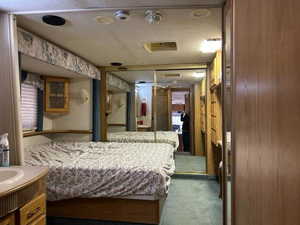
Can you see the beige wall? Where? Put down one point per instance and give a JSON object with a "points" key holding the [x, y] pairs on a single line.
{"points": [[80, 116], [145, 93], [118, 112], [119, 107], [35, 140]]}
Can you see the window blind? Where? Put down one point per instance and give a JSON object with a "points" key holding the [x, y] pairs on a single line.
{"points": [[29, 106]]}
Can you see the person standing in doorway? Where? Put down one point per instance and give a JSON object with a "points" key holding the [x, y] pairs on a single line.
{"points": [[185, 118]]}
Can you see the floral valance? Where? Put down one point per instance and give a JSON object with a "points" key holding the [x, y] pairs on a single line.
{"points": [[115, 82], [36, 47], [32, 79]]}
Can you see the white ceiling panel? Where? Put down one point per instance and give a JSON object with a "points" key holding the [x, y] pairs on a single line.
{"points": [[187, 77], [122, 41], [50, 5]]}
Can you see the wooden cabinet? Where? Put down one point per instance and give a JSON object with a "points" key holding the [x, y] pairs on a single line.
{"points": [[216, 70], [34, 211], [56, 95], [8, 220]]}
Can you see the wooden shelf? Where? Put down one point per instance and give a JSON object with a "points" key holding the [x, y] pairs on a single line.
{"points": [[117, 125], [35, 133]]}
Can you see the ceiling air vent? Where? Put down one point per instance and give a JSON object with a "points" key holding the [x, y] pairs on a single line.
{"points": [[173, 75], [160, 46]]}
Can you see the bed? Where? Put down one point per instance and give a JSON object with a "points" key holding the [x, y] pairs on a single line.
{"points": [[125, 182], [169, 137]]}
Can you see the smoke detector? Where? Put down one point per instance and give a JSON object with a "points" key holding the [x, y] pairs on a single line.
{"points": [[153, 16], [122, 15]]}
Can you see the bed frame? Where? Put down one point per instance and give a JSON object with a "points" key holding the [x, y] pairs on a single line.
{"points": [[108, 209]]}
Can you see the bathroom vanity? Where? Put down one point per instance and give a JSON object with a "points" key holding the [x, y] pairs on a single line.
{"points": [[23, 195]]}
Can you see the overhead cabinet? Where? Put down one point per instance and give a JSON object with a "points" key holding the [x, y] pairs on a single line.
{"points": [[56, 95]]}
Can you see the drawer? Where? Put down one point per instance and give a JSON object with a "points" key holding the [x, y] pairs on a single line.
{"points": [[40, 221], [33, 210], [8, 220]]}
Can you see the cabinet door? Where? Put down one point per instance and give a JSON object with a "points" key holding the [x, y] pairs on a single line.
{"points": [[33, 210], [8, 220], [56, 95]]}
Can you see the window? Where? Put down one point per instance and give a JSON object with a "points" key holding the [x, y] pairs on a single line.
{"points": [[29, 106]]}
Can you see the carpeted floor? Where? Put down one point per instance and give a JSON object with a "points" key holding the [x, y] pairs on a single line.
{"points": [[190, 202], [189, 163]]}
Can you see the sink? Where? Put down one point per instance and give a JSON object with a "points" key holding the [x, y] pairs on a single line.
{"points": [[10, 175]]}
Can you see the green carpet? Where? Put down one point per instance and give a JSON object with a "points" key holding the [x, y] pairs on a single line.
{"points": [[190, 202], [190, 163]]}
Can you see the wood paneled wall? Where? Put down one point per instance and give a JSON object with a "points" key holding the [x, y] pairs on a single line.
{"points": [[216, 116], [197, 123], [10, 88], [266, 112], [202, 105], [214, 113], [209, 151]]}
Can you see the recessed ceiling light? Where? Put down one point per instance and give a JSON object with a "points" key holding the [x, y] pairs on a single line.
{"points": [[199, 74], [211, 45], [53, 20], [200, 13], [104, 19]]}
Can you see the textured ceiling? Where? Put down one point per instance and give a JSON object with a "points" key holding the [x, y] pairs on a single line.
{"points": [[123, 41], [42, 5]]}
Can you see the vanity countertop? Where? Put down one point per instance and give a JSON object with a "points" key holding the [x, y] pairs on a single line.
{"points": [[30, 174]]}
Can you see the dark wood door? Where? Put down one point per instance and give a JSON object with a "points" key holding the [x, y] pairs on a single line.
{"points": [[266, 112]]}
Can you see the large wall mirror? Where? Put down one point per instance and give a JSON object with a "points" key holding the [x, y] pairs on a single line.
{"points": [[167, 105]]}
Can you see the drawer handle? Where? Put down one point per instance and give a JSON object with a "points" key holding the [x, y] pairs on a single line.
{"points": [[33, 213]]}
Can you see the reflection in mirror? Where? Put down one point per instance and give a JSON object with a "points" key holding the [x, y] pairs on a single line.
{"points": [[178, 112], [227, 112]]}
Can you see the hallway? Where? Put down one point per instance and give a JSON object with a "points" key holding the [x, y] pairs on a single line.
{"points": [[186, 163]]}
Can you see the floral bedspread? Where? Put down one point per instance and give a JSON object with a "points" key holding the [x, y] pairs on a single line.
{"points": [[168, 137], [89, 169]]}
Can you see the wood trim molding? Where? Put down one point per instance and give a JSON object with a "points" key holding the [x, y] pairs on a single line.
{"points": [[112, 209], [35, 133], [103, 106], [117, 125]]}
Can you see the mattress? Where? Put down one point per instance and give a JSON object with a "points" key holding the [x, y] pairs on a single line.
{"points": [[92, 170], [168, 137]]}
